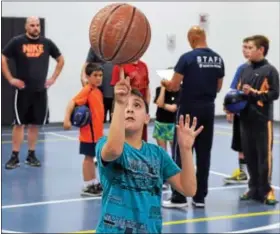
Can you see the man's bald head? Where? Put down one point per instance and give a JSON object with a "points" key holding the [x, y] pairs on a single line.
{"points": [[197, 36], [33, 27]]}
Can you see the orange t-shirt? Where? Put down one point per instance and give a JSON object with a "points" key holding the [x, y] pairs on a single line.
{"points": [[95, 101]]}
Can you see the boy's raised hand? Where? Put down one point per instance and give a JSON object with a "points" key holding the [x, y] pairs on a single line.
{"points": [[122, 88], [186, 134]]}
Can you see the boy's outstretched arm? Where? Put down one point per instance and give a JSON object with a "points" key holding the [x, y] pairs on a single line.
{"points": [[113, 148], [185, 181]]}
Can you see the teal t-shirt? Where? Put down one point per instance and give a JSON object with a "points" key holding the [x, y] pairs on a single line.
{"points": [[132, 188]]}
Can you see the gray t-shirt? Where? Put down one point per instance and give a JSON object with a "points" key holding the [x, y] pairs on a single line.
{"points": [[107, 89]]}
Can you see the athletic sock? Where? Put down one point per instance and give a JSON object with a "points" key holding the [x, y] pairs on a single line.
{"points": [[242, 164]]}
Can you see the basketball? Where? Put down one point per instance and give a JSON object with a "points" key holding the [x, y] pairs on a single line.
{"points": [[119, 33], [235, 101]]}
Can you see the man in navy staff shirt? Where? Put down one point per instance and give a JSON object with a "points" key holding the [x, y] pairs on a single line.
{"points": [[201, 72]]}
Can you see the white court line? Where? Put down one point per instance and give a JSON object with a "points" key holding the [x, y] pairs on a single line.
{"points": [[97, 198], [46, 132], [8, 231], [225, 175], [230, 128], [258, 229], [63, 136]]}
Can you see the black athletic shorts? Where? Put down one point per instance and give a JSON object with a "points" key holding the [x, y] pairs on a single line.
{"points": [[236, 135], [87, 149], [31, 107]]}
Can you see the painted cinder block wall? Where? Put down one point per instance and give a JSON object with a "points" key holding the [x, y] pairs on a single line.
{"points": [[67, 25]]}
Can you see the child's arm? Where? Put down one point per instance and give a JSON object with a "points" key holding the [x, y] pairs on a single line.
{"points": [[170, 107], [272, 92], [185, 181], [161, 104], [80, 99], [69, 109], [161, 97], [113, 148]]}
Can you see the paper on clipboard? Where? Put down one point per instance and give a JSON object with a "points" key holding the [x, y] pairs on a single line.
{"points": [[165, 74]]}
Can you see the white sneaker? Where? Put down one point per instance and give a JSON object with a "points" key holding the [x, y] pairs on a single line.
{"points": [[170, 204], [165, 186], [198, 204]]}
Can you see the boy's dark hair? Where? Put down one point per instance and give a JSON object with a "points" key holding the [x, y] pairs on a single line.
{"points": [[261, 41], [137, 93], [92, 67]]}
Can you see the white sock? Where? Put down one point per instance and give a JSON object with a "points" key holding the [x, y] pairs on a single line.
{"points": [[95, 181], [88, 183]]}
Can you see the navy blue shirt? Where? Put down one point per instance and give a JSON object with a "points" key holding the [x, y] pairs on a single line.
{"points": [[201, 69], [234, 82]]}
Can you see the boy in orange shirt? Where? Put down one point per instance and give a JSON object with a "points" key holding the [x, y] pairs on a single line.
{"points": [[92, 96]]}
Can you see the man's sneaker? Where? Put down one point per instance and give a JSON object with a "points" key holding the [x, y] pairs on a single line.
{"points": [[174, 204], [198, 203], [12, 163], [270, 198], [94, 190], [32, 161], [238, 177]]}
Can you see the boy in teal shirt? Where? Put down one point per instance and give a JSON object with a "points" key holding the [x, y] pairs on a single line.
{"points": [[132, 171]]}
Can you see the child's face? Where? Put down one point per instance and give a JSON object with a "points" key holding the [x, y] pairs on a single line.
{"points": [[135, 114], [96, 78]]}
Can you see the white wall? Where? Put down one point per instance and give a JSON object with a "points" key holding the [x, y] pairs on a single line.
{"points": [[67, 25]]}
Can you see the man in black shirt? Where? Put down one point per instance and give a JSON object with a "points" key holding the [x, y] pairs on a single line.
{"points": [[31, 53], [260, 81]]}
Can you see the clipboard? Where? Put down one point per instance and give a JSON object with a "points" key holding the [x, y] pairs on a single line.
{"points": [[165, 73]]}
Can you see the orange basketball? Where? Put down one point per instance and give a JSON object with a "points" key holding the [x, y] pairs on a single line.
{"points": [[120, 33]]}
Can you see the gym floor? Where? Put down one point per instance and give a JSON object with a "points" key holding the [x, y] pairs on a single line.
{"points": [[48, 200]]}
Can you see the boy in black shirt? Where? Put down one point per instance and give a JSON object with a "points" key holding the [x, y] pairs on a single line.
{"points": [[165, 116], [260, 81]]}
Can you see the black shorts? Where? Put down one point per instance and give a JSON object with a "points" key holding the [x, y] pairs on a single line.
{"points": [[31, 107], [236, 135], [87, 149]]}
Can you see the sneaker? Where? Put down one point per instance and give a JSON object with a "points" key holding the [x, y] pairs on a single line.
{"points": [[270, 198], [174, 204], [249, 195], [165, 186], [95, 161], [198, 203], [32, 161], [238, 177], [12, 163], [94, 190]]}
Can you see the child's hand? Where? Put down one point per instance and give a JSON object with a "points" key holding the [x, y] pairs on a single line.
{"points": [[246, 89], [186, 134], [230, 117], [122, 89], [67, 125]]}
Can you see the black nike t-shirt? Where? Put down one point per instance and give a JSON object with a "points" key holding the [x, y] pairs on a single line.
{"points": [[31, 58], [170, 98]]}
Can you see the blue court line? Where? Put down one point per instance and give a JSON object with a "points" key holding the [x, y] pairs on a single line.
{"points": [[258, 229]]}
